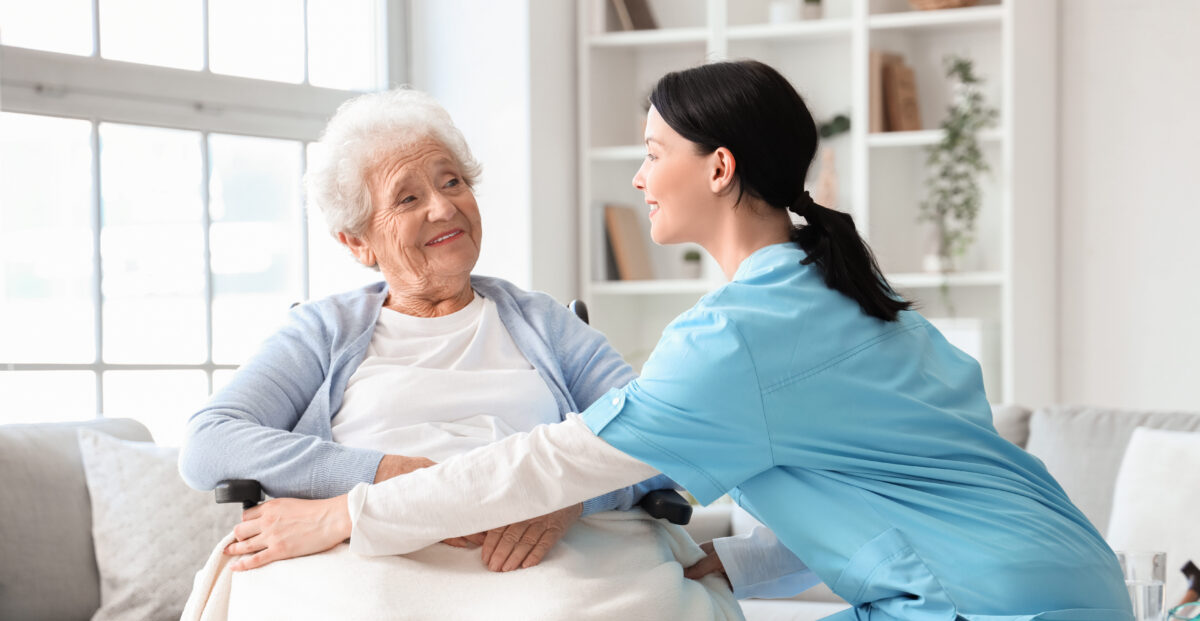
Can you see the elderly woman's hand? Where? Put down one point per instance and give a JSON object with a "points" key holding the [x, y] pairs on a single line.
{"points": [[710, 564], [525, 544], [289, 527]]}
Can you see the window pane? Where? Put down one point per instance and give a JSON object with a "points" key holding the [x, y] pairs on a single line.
{"points": [[254, 202], [53, 25], [151, 245], [47, 396], [221, 379], [261, 39], [161, 400], [344, 48], [47, 314], [154, 32], [331, 267]]}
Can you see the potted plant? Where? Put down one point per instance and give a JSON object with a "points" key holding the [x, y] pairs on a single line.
{"points": [[955, 163], [691, 263], [812, 10]]}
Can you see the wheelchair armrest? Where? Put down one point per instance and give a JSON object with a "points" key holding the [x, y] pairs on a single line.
{"points": [[246, 491], [667, 504]]}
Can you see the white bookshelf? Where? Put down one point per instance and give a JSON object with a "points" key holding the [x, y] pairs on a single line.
{"points": [[1005, 283]]}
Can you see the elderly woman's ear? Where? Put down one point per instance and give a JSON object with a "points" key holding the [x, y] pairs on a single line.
{"points": [[359, 248]]}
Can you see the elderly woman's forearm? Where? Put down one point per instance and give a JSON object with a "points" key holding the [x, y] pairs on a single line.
{"points": [[520, 477]]}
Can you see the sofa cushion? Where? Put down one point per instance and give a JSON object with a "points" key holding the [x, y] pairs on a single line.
{"points": [[1155, 503], [152, 532], [47, 563], [1012, 423], [1083, 446]]}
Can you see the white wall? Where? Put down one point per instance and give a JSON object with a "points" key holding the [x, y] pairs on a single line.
{"points": [[1129, 156], [505, 71]]}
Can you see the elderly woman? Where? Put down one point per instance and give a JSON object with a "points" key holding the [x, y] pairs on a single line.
{"points": [[431, 362]]}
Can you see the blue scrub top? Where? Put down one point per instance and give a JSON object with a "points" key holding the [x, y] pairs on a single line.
{"points": [[867, 446]]}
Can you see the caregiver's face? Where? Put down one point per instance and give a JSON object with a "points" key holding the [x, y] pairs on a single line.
{"points": [[673, 178], [425, 227]]}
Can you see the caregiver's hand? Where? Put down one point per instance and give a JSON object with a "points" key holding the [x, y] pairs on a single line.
{"points": [[396, 465], [289, 527], [525, 544], [708, 565]]}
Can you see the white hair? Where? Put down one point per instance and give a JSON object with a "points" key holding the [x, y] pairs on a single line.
{"points": [[363, 134]]}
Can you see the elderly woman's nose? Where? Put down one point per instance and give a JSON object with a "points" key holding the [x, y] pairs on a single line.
{"points": [[441, 208]]}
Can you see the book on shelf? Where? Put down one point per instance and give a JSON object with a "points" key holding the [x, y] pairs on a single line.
{"points": [[893, 88], [634, 14], [628, 243]]}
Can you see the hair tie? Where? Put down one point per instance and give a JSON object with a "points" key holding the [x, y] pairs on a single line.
{"points": [[801, 204]]}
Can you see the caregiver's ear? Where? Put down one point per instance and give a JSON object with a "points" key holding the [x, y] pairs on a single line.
{"points": [[721, 170], [359, 248]]}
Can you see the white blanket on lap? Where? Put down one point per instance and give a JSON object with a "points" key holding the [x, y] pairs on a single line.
{"points": [[612, 565]]}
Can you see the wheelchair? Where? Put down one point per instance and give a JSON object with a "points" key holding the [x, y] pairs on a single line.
{"points": [[665, 504]]}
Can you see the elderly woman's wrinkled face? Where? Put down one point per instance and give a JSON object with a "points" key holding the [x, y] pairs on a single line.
{"points": [[425, 228]]}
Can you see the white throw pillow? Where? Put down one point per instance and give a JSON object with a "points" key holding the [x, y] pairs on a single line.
{"points": [[152, 532], [1155, 503]]}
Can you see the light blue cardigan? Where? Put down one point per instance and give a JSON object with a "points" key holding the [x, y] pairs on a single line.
{"points": [[273, 421]]}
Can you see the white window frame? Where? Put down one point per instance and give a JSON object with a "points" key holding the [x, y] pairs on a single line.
{"points": [[99, 90]]}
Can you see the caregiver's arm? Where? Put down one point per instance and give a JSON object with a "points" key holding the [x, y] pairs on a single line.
{"points": [[519, 477]]}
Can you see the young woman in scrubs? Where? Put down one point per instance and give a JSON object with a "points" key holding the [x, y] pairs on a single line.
{"points": [[804, 388]]}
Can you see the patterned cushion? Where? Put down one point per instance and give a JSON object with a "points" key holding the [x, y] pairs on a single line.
{"points": [[152, 532]]}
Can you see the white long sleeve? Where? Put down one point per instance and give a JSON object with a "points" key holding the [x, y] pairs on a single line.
{"points": [[759, 565], [522, 476]]}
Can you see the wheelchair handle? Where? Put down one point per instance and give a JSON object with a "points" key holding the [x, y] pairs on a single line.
{"points": [[246, 491]]}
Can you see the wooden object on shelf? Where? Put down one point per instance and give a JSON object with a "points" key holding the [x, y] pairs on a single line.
{"points": [[628, 243], [878, 121], [634, 14], [900, 96], [933, 5]]}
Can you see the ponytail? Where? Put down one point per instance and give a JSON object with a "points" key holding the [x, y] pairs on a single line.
{"points": [[832, 242]]}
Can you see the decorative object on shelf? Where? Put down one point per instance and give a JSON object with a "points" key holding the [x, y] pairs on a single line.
{"points": [[634, 15], [783, 11], [933, 5], [826, 193], [691, 263], [628, 243], [812, 9], [900, 96], [893, 94], [954, 163]]}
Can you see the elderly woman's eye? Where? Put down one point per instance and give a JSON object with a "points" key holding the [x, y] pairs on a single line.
{"points": [[407, 199], [453, 183]]}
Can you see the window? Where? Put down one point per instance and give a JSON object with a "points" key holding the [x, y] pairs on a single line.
{"points": [[152, 223]]}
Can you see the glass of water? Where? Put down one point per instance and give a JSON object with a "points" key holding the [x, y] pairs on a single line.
{"points": [[1145, 573]]}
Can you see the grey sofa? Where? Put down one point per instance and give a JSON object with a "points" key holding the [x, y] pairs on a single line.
{"points": [[48, 564], [1081, 446]]}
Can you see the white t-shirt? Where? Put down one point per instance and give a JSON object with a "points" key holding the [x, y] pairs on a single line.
{"points": [[439, 386]]}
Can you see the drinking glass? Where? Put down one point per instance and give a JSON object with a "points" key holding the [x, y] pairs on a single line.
{"points": [[1145, 573]]}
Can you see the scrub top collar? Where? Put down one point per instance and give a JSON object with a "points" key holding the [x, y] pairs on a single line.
{"points": [[766, 258]]}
